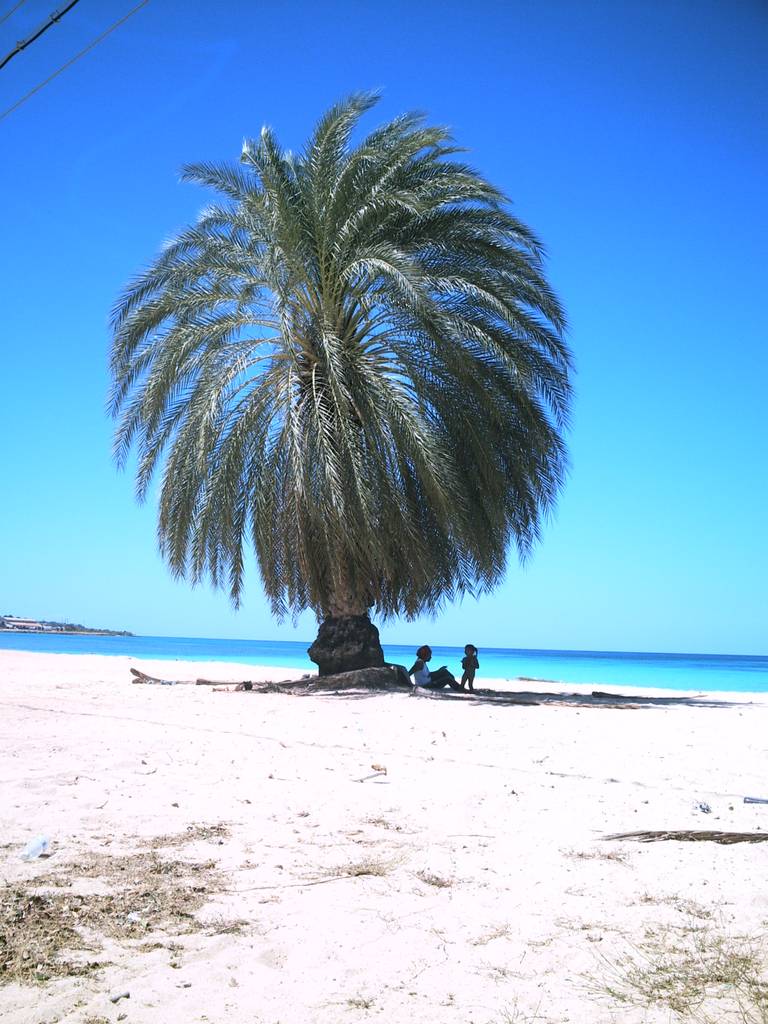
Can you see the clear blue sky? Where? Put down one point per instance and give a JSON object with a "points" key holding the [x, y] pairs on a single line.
{"points": [[632, 137]]}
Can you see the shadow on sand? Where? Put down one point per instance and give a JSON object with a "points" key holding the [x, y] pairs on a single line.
{"points": [[528, 698], [366, 683]]}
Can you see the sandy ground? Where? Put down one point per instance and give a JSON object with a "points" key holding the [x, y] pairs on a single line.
{"points": [[470, 884]]}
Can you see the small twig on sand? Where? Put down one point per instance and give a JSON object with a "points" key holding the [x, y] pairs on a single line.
{"points": [[290, 885]]}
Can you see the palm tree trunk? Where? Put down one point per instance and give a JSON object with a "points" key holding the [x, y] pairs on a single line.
{"points": [[346, 642]]}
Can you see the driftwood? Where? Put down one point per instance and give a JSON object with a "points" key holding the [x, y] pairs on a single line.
{"points": [[246, 684], [142, 677], [385, 678], [687, 836]]}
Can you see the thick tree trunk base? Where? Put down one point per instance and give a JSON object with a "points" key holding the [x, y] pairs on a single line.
{"points": [[346, 643]]}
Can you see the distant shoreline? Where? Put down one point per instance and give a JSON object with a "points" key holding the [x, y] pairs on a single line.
{"points": [[66, 632]]}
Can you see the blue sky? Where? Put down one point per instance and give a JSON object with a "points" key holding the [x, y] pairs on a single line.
{"points": [[632, 137]]}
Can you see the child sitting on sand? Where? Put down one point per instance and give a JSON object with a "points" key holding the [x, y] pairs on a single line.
{"points": [[430, 680], [470, 664]]}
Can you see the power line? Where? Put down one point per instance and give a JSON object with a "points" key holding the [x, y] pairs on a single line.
{"points": [[69, 63], [56, 16], [13, 10]]}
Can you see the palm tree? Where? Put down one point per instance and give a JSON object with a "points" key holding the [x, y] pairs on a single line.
{"points": [[352, 361]]}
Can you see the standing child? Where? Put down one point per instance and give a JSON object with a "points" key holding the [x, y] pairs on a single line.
{"points": [[470, 664]]}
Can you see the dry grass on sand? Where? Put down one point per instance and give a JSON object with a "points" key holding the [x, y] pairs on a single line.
{"points": [[55, 926]]}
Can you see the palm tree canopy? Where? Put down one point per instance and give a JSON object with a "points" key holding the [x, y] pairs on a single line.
{"points": [[352, 361]]}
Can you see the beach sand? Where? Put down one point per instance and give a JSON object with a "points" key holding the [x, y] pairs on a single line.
{"points": [[220, 856]]}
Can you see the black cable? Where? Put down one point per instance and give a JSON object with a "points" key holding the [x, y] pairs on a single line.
{"points": [[56, 16], [69, 63], [13, 10]]}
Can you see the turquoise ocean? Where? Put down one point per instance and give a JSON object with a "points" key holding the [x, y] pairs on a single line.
{"points": [[699, 672]]}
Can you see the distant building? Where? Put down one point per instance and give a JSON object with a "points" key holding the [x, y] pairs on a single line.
{"points": [[28, 625]]}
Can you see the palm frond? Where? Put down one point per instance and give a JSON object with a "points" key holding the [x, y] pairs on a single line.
{"points": [[352, 362]]}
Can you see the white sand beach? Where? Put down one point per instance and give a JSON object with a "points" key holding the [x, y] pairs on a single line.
{"points": [[470, 883]]}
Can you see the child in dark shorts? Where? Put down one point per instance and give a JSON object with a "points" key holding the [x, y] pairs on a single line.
{"points": [[470, 664]]}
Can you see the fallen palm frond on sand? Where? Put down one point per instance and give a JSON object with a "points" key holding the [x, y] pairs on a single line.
{"points": [[693, 836]]}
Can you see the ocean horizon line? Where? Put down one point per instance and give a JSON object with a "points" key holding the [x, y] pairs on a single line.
{"points": [[588, 651], [400, 644]]}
